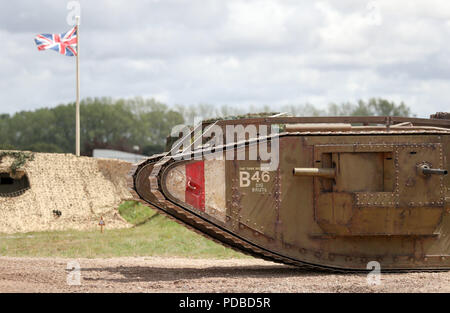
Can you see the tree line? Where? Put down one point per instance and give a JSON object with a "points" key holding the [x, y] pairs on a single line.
{"points": [[124, 124]]}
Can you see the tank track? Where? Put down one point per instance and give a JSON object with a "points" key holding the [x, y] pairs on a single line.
{"points": [[158, 201]]}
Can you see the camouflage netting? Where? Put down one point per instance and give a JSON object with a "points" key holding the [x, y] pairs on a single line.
{"points": [[64, 192]]}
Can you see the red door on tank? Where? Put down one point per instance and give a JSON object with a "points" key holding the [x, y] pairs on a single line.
{"points": [[195, 185]]}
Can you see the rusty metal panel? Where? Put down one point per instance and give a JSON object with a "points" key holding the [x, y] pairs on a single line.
{"points": [[376, 199], [376, 221], [297, 193], [334, 211], [360, 171], [382, 184], [253, 196], [416, 190]]}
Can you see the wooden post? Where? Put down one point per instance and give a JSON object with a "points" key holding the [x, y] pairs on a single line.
{"points": [[101, 223]]}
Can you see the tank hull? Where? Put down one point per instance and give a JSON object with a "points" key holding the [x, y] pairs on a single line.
{"points": [[334, 200]]}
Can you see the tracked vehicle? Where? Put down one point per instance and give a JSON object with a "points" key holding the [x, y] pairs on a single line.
{"points": [[335, 194]]}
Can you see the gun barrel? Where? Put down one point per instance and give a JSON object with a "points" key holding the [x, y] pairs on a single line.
{"points": [[317, 172], [434, 171], [427, 170]]}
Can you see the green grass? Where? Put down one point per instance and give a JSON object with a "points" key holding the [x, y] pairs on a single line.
{"points": [[153, 235]]}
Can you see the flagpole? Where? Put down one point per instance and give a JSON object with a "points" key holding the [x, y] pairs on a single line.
{"points": [[77, 118]]}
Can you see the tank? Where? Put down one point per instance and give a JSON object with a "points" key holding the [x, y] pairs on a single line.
{"points": [[330, 193]]}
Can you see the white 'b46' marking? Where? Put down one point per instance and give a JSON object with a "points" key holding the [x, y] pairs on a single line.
{"points": [[245, 179]]}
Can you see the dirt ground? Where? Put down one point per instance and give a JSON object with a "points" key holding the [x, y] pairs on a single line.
{"points": [[156, 274]]}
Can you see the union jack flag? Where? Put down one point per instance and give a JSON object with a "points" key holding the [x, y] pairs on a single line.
{"points": [[65, 43]]}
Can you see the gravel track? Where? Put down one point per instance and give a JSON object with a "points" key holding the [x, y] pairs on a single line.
{"points": [[157, 274]]}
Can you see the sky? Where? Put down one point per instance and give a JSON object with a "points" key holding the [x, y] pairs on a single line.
{"points": [[234, 52]]}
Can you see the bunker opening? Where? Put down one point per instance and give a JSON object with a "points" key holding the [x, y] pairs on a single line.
{"points": [[11, 186]]}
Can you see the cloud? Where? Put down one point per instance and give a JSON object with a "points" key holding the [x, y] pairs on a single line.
{"points": [[235, 52]]}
